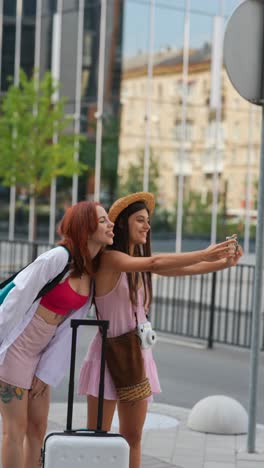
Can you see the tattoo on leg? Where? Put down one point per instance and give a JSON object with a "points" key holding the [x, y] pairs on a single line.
{"points": [[8, 392]]}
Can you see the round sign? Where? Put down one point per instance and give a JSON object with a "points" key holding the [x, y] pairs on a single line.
{"points": [[244, 52]]}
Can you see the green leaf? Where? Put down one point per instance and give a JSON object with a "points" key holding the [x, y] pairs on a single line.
{"points": [[29, 119]]}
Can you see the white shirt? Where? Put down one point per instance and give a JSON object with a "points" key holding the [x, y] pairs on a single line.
{"points": [[19, 307]]}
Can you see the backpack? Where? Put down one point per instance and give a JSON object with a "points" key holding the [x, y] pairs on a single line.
{"points": [[8, 284]]}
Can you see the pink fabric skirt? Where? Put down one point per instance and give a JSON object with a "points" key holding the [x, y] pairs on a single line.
{"points": [[90, 373], [23, 355]]}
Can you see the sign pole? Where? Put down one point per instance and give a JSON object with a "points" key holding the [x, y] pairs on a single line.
{"points": [[257, 301], [244, 64]]}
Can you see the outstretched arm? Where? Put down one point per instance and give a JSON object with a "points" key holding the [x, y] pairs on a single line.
{"points": [[205, 267], [114, 261]]}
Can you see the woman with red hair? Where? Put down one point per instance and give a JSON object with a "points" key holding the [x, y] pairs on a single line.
{"points": [[35, 333]]}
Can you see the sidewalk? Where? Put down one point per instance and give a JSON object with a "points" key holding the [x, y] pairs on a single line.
{"points": [[168, 443]]}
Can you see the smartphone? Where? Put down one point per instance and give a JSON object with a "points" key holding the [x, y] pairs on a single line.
{"points": [[234, 236]]}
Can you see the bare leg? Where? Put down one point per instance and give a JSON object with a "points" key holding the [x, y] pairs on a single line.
{"points": [[131, 419], [109, 409], [38, 409], [13, 408]]}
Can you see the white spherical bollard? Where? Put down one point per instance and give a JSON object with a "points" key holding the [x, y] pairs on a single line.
{"points": [[218, 414]]}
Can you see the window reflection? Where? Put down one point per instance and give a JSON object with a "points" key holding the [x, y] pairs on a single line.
{"points": [[10, 7], [8, 54], [29, 7], [28, 44]]}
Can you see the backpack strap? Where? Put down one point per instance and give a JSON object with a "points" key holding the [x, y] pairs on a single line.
{"points": [[57, 278], [10, 279], [46, 288]]}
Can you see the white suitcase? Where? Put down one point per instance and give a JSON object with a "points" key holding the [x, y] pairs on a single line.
{"points": [[81, 448]]}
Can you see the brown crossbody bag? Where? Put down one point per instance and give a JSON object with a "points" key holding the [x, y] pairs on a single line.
{"points": [[126, 365]]}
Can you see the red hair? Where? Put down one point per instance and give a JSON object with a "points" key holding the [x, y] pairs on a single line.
{"points": [[79, 222]]}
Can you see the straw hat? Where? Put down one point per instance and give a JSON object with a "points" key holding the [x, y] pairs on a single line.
{"points": [[122, 203]]}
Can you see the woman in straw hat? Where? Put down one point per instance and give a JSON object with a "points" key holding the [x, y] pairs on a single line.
{"points": [[123, 296]]}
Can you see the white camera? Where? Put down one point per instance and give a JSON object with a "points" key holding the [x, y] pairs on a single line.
{"points": [[148, 337]]}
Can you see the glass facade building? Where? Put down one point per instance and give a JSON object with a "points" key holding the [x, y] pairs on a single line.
{"points": [[68, 57], [18, 24]]}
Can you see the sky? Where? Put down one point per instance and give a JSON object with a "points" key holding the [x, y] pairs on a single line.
{"points": [[169, 20]]}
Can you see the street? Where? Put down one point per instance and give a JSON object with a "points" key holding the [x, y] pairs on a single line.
{"points": [[189, 372]]}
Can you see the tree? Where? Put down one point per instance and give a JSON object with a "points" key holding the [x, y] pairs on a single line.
{"points": [[30, 117], [133, 181], [198, 216]]}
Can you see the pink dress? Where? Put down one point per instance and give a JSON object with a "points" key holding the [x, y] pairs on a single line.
{"points": [[117, 308]]}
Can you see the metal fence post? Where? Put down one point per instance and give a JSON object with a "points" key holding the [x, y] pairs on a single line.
{"points": [[210, 339]]}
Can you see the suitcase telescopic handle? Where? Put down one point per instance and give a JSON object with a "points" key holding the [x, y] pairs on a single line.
{"points": [[104, 325]]}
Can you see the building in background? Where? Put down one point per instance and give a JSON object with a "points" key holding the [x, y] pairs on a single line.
{"points": [[200, 145], [68, 52], [124, 134]]}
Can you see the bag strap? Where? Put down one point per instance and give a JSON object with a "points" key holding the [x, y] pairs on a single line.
{"points": [[134, 306], [50, 285], [10, 278], [47, 287], [55, 280]]}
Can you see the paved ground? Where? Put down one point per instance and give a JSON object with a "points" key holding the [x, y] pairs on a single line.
{"points": [[168, 443]]}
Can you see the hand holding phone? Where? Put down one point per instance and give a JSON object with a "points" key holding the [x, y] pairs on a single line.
{"points": [[234, 236]]}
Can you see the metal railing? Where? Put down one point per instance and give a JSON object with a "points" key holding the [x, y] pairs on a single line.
{"points": [[215, 307], [14, 255]]}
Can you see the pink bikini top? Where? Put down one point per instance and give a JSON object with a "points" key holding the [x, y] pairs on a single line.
{"points": [[62, 298]]}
